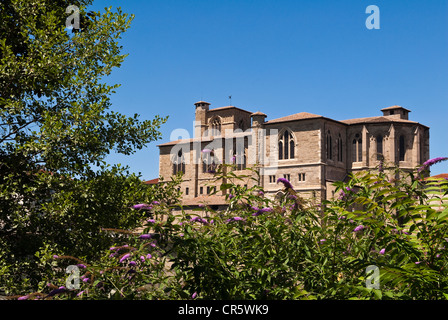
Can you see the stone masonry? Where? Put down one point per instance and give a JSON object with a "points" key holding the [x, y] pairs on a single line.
{"points": [[310, 150]]}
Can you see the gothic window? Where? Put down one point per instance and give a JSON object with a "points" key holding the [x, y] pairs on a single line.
{"points": [[286, 146], [241, 124], [239, 153], [401, 149], [216, 126], [280, 150], [179, 163], [357, 148], [329, 146], [209, 162], [379, 147], [339, 147]]}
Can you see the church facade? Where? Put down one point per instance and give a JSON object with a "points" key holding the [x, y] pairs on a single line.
{"points": [[311, 151]]}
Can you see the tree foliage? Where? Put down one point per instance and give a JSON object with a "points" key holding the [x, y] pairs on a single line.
{"points": [[56, 129]]}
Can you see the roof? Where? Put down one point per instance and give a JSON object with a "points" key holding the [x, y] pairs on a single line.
{"points": [[152, 181], [259, 113], [203, 139], [202, 102], [379, 119], [441, 176], [296, 116], [395, 107], [228, 107]]}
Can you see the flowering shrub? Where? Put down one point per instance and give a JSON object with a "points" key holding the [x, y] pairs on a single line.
{"points": [[286, 248]]}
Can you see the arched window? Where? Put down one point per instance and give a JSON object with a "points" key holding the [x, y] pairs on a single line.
{"points": [[329, 146], [339, 146], [357, 148], [178, 163], [241, 125], [401, 149], [280, 150], [286, 146], [379, 147], [239, 153], [209, 163], [216, 126]]}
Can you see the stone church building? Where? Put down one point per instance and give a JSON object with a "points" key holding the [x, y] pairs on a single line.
{"points": [[311, 151]]}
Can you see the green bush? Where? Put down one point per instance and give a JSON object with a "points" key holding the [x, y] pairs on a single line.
{"points": [[285, 248]]}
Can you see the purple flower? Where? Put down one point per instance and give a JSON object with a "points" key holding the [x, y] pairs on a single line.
{"points": [[23, 298], [127, 255], [358, 228], [148, 256], [382, 251], [261, 211], [132, 263], [194, 295], [260, 193], [231, 196], [206, 151], [285, 182], [146, 236], [199, 219], [342, 195], [322, 240], [81, 266], [142, 258], [431, 162], [142, 206], [151, 221], [55, 257], [418, 262], [156, 202]]}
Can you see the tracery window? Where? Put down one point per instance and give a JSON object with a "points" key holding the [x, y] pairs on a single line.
{"points": [[286, 146]]}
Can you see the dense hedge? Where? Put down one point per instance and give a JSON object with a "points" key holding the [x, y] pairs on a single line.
{"points": [[286, 248]]}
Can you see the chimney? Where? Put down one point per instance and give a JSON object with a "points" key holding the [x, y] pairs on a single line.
{"points": [[201, 117]]}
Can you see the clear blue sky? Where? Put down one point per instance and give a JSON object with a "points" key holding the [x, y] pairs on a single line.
{"points": [[282, 57]]}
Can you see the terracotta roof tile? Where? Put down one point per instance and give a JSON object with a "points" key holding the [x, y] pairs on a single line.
{"points": [[152, 181], [395, 107], [204, 139], [227, 107], [442, 176], [296, 116], [376, 120]]}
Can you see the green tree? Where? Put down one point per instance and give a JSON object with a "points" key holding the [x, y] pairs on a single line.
{"points": [[56, 129]]}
